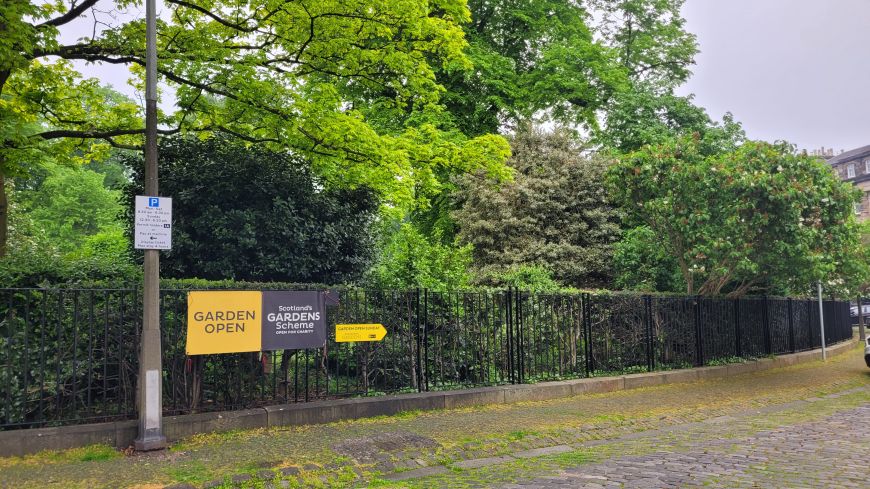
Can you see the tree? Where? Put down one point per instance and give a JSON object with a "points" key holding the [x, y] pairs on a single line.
{"points": [[656, 52], [65, 230], [246, 213], [639, 117], [641, 263], [758, 218], [650, 40], [71, 205], [409, 259], [555, 214], [277, 73], [529, 56]]}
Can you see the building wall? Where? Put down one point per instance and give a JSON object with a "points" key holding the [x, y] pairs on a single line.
{"points": [[860, 165], [861, 179], [864, 206]]}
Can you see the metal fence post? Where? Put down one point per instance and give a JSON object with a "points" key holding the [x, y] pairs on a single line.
{"points": [[418, 337], [738, 334], [424, 369], [699, 340], [587, 334], [822, 323], [509, 324], [791, 345], [765, 313], [650, 354], [518, 317]]}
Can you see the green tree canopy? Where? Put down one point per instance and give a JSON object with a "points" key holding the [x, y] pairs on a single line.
{"points": [[760, 217], [641, 263], [555, 213], [72, 204], [410, 259], [651, 44], [272, 72], [650, 40], [247, 213], [639, 117], [530, 56], [66, 228]]}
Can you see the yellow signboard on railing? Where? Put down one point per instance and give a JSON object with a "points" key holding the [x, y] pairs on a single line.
{"points": [[345, 333], [223, 321]]}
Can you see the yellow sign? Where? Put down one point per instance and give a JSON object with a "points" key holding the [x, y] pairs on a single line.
{"points": [[223, 321], [345, 333]]}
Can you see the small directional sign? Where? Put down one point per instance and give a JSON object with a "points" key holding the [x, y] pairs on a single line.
{"points": [[153, 229], [345, 333]]}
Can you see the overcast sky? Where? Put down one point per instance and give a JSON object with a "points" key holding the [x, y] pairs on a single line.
{"points": [[794, 70], [797, 70]]}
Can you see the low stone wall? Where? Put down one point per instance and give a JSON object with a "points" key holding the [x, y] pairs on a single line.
{"points": [[121, 434]]}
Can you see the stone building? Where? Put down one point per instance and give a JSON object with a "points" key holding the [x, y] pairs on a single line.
{"points": [[854, 166]]}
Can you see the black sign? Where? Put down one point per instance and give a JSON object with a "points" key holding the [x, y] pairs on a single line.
{"points": [[293, 320]]}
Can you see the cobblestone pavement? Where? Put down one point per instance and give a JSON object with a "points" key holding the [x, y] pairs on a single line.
{"points": [[831, 452], [816, 442], [799, 426]]}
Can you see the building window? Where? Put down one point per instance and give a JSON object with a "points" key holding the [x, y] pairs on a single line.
{"points": [[850, 171], [867, 165]]}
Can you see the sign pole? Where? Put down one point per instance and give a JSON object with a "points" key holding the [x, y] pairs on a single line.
{"points": [[150, 398], [822, 322], [862, 333]]}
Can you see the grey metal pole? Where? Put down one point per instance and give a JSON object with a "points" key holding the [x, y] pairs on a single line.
{"points": [[150, 399], [862, 332], [822, 323]]}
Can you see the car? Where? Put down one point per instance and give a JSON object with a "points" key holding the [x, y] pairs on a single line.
{"points": [[865, 311], [867, 351]]}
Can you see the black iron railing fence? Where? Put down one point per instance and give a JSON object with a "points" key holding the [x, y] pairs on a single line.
{"points": [[70, 356]]}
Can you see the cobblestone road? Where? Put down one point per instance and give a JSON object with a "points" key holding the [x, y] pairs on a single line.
{"points": [[803, 426], [831, 452]]}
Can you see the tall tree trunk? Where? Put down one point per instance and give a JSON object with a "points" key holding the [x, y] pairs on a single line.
{"points": [[4, 212]]}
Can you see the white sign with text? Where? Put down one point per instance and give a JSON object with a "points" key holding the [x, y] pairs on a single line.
{"points": [[153, 230]]}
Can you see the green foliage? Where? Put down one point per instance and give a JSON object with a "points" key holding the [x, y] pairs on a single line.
{"points": [[65, 230], [41, 102], [854, 272], [649, 39], [534, 278], [760, 217], [46, 266], [653, 47], [641, 263], [112, 168], [529, 56], [299, 77], [555, 213], [639, 117], [246, 213], [408, 259], [71, 205], [204, 284]]}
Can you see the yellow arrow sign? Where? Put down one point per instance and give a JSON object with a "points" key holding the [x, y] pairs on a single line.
{"points": [[345, 333]]}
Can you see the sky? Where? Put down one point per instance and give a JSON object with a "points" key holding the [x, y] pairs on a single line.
{"points": [[793, 70]]}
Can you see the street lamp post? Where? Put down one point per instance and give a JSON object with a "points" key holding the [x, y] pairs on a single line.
{"points": [[150, 398]]}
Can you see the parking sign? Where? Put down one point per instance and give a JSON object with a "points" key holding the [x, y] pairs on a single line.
{"points": [[153, 223]]}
